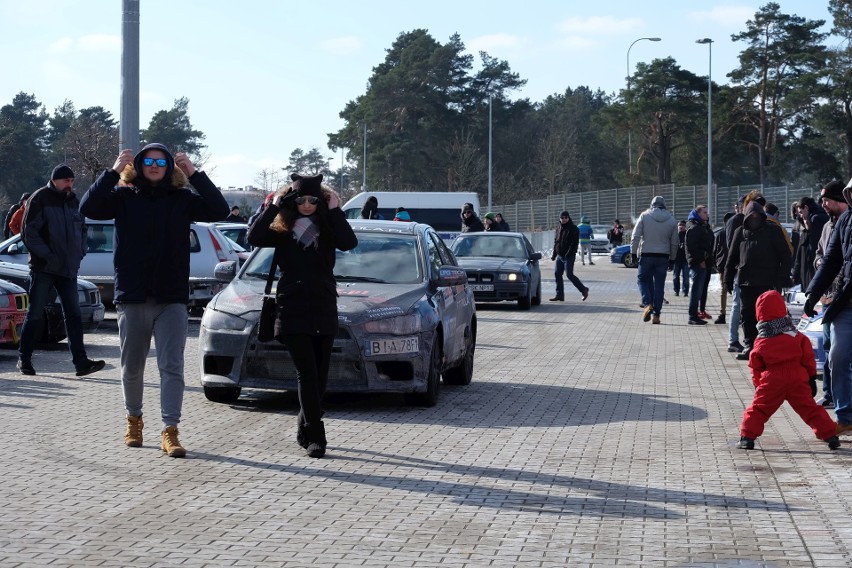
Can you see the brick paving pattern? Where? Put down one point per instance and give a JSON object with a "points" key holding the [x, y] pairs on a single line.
{"points": [[587, 438]]}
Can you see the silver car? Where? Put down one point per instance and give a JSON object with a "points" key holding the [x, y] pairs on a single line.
{"points": [[406, 313]]}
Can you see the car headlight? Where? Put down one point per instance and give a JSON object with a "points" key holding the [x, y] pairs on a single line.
{"points": [[509, 276], [214, 319], [401, 325]]}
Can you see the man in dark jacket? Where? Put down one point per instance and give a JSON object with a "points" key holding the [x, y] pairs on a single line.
{"points": [[699, 255], [565, 253], [55, 235], [153, 207], [731, 225], [680, 268], [813, 218], [760, 260], [471, 223], [720, 256], [836, 271]]}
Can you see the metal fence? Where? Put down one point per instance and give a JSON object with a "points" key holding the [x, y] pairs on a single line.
{"points": [[626, 203]]}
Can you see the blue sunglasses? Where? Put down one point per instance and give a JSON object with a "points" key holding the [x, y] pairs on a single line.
{"points": [[161, 162]]}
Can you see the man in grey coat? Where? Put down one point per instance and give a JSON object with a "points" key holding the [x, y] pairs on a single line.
{"points": [[655, 241]]}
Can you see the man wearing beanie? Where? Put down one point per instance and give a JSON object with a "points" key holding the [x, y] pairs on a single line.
{"points": [[655, 242], [55, 235], [153, 207]]}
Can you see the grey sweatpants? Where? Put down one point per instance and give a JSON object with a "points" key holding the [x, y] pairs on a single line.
{"points": [[167, 323]]}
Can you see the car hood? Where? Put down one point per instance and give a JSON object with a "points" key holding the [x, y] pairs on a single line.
{"points": [[490, 263], [21, 273], [357, 301]]}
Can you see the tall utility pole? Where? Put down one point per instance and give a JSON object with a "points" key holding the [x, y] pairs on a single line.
{"points": [[629, 133], [128, 126], [489, 152], [709, 43], [364, 180]]}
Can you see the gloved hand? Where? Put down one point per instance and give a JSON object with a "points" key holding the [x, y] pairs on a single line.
{"points": [[812, 382], [553, 257], [810, 305]]}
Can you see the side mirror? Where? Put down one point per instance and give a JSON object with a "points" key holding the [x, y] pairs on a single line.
{"points": [[225, 271], [535, 256], [451, 276]]}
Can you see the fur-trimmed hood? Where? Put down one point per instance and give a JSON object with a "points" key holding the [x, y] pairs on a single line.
{"points": [[128, 175], [175, 175]]}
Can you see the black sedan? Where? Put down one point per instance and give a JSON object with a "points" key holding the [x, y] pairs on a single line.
{"points": [[500, 266], [407, 319]]}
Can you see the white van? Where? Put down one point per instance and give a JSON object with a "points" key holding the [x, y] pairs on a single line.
{"points": [[441, 210]]}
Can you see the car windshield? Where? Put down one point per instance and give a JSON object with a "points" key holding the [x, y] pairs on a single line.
{"points": [[390, 259], [483, 244]]}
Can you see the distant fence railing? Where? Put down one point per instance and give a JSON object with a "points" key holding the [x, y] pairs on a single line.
{"points": [[626, 203]]}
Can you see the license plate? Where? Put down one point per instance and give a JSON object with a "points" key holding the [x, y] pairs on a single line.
{"points": [[482, 287], [392, 346]]}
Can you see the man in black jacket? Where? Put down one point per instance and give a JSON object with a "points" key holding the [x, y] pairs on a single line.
{"points": [[153, 207], [565, 253], [55, 235], [813, 218]]}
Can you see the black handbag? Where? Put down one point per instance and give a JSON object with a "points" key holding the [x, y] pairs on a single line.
{"points": [[266, 324]]}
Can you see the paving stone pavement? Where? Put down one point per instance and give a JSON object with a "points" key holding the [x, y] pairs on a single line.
{"points": [[587, 438]]}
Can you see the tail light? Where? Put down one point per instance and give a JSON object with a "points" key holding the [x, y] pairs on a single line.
{"points": [[220, 254]]}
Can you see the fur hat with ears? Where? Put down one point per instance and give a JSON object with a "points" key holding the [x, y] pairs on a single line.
{"points": [[307, 185]]}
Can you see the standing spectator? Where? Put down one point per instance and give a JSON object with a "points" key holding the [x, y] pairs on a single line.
{"points": [[734, 345], [616, 234], [266, 201], [565, 253], [55, 235], [7, 232], [680, 268], [797, 225], [772, 216], [235, 216], [835, 205], [16, 223], [401, 215], [502, 225], [370, 210], [813, 217], [153, 207], [306, 227], [759, 259], [782, 368], [699, 256], [470, 221], [586, 235], [655, 241], [720, 256], [490, 221]]}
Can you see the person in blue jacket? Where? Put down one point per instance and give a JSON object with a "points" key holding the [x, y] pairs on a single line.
{"points": [[150, 198], [586, 235]]}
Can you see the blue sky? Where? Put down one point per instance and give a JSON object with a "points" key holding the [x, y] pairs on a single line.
{"points": [[266, 77]]}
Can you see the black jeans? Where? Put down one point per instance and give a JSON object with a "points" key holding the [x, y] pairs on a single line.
{"points": [[311, 355], [748, 313]]}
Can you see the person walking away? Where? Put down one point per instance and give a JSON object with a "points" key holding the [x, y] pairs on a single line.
{"points": [[586, 235], [54, 232], [616, 234], [7, 230], [760, 260], [565, 245], [813, 217], [306, 226], [734, 345], [502, 225], [680, 268], [150, 198], [654, 242], [699, 255], [470, 220], [720, 255], [783, 367], [831, 198]]}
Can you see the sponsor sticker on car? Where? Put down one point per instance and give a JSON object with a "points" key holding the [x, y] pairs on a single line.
{"points": [[391, 346]]}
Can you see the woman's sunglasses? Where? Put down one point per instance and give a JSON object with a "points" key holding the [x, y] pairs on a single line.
{"points": [[310, 199], [161, 162]]}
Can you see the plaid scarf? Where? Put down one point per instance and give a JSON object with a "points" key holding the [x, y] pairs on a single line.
{"points": [[306, 232], [775, 327]]}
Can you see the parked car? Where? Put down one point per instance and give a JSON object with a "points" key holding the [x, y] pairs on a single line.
{"points": [[500, 266], [237, 232], [600, 242], [622, 255], [208, 247], [88, 296], [407, 317], [812, 329], [14, 303]]}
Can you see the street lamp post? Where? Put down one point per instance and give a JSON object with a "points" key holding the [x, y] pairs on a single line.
{"points": [[489, 152], [629, 134], [709, 43]]}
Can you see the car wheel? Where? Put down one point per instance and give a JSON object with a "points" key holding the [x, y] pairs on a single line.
{"points": [[536, 301], [630, 261], [222, 394], [433, 381], [525, 302], [463, 374]]}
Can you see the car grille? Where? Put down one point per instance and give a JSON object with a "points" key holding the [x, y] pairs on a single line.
{"points": [[481, 277]]}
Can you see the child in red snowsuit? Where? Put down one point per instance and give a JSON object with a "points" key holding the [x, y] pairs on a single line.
{"points": [[782, 366]]}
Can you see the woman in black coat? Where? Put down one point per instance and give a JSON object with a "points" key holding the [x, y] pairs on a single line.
{"points": [[306, 226]]}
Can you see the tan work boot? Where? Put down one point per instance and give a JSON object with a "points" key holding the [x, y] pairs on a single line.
{"points": [[133, 434], [646, 315], [655, 319], [170, 444]]}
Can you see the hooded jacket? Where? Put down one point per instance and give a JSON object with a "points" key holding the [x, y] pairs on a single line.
{"points": [[585, 230], [837, 263], [54, 232], [152, 226], [698, 242], [655, 233], [472, 224], [758, 255], [788, 355]]}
